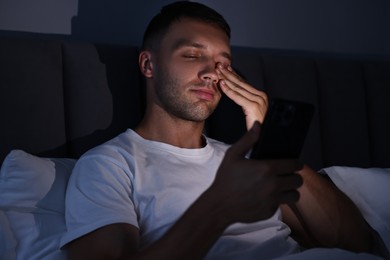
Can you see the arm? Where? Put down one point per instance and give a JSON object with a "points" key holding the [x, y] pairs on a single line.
{"points": [[233, 197], [324, 216], [121, 241]]}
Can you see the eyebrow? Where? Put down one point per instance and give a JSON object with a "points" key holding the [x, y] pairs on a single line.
{"points": [[188, 43]]}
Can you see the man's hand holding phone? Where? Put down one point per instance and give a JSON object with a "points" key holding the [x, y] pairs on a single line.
{"points": [[252, 190]]}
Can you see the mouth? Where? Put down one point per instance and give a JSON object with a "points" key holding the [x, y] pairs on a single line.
{"points": [[205, 93]]}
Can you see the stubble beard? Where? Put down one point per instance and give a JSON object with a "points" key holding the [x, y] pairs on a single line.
{"points": [[173, 99]]}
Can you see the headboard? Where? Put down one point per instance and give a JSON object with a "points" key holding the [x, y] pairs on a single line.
{"points": [[61, 98]]}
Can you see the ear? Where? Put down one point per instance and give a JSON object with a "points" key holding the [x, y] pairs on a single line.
{"points": [[145, 63]]}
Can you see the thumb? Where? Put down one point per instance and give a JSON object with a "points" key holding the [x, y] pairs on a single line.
{"points": [[246, 142]]}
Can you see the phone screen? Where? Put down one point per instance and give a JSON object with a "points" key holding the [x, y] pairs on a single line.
{"points": [[284, 130]]}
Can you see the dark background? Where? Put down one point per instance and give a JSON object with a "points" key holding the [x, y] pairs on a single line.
{"points": [[356, 27]]}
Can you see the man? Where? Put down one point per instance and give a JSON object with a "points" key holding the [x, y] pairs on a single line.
{"points": [[166, 191]]}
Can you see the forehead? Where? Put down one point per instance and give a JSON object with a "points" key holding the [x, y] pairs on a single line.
{"points": [[194, 31]]}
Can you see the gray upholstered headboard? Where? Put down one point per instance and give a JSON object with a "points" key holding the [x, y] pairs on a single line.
{"points": [[61, 98]]}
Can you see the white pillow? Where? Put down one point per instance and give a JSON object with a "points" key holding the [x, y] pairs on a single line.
{"points": [[7, 239], [369, 189], [32, 192]]}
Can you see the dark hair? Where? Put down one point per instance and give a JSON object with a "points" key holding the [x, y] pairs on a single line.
{"points": [[171, 13]]}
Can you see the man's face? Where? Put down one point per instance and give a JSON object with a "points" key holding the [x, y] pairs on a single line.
{"points": [[185, 79]]}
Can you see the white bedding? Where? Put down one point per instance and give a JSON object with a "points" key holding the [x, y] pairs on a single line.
{"points": [[32, 206], [329, 254], [369, 189]]}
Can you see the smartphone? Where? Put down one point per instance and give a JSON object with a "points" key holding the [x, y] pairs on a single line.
{"points": [[284, 130]]}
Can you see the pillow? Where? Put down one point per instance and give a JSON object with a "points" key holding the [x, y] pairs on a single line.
{"points": [[369, 190], [32, 191], [8, 242]]}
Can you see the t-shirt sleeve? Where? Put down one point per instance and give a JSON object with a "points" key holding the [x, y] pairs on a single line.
{"points": [[98, 194]]}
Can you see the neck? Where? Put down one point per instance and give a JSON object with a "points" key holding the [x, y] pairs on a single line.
{"points": [[173, 131]]}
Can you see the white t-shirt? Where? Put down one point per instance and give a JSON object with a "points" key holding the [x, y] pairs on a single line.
{"points": [[149, 185]]}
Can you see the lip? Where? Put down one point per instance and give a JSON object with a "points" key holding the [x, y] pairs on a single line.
{"points": [[205, 93]]}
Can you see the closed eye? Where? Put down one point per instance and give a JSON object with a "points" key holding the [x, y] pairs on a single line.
{"points": [[191, 56]]}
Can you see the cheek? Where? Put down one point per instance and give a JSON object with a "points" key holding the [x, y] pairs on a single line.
{"points": [[183, 72], [218, 96], [180, 71], [187, 71]]}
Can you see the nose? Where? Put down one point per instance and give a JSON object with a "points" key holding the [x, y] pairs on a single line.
{"points": [[210, 74]]}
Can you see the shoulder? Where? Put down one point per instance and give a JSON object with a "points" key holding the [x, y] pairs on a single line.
{"points": [[119, 147], [115, 155]]}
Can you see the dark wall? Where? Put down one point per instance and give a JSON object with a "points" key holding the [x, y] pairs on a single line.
{"points": [[337, 26]]}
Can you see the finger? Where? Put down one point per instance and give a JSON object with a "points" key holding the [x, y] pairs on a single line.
{"points": [[246, 142], [229, 74], [245, 90], [240, 97], [244, 95], [236, 83], [229, 68], [288, 197], [288, 182], [243, 98], [286, 167], [222, 70]]}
